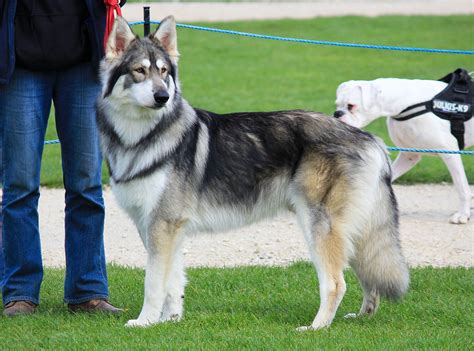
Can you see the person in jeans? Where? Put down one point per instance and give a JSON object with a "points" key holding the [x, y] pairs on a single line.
{"points": [[49, 53]]}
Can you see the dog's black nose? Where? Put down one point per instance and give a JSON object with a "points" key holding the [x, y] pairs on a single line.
{"points": [[161, 97], [338, 114]]}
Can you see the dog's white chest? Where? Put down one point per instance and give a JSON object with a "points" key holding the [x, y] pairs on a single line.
{"points": [[141, 196]]}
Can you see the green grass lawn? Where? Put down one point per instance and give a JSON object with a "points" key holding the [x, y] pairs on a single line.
{"points": [[226, 73], [256, 308]]}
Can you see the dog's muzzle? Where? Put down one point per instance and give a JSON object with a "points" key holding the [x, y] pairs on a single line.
{"points": [[338, 114], [161, 97]]}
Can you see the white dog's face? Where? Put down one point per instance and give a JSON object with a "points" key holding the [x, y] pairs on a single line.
{"points": [[356, 103]]}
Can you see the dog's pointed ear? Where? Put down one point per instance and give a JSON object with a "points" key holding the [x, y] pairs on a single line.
{"points": [[167, 36], [119, 39]]}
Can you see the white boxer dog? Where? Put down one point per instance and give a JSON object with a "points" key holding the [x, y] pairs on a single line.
{"points": [[360, 102]]}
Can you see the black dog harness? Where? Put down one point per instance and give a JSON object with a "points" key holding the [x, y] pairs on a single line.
{"points": [[454, 104]]}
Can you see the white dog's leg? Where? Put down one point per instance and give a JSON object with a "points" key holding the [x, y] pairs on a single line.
{"points": [[456, 169], [162, 243], [403, 163], [173, 307]]}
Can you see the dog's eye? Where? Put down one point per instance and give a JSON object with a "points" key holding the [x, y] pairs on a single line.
{"points": [[163, 70], [350, 107], [140, 70]]}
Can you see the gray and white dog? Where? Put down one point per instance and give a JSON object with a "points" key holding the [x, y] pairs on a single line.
{"points": [[178, 170]]}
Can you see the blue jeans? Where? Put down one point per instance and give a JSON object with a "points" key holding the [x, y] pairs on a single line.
{"points": [[25, 105]]}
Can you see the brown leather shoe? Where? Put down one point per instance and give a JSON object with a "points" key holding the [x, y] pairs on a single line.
{"points": [[17, 308], [93, 306]]}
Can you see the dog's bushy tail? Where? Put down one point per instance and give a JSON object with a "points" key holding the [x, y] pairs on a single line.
{"points": [[378, 260]]}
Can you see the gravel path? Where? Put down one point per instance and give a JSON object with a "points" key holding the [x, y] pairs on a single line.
{"points": [[222, 12], [427, 237]]}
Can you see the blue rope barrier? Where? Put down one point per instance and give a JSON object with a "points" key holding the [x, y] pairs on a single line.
{"points": [[390, 148], [316, 42], [332, 43], [430, 151]]}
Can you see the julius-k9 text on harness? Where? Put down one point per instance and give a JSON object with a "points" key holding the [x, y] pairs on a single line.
{"points": [[454, 103]]}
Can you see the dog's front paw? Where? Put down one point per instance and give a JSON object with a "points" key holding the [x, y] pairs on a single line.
{"points": [[135, 323], [311, 327], [170, 318], [173, 309], [138, 323], [351, 316], [459, 218]]}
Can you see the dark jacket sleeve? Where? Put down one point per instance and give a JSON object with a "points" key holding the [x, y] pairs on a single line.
{"points": [[97, 27], [7, 49], [3, 3]]}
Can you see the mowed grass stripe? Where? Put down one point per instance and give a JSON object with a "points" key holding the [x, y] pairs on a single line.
{"points": [[256, 308]]}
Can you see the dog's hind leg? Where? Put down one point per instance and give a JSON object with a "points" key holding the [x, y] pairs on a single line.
{"points": [[371, 299], [403, 163], [326, 246], [377, 257], [164, 239], [370, 304]]}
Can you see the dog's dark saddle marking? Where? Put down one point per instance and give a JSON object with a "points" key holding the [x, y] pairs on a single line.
{"points": [[454, 103]]}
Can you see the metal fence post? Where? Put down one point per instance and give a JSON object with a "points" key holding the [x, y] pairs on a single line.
{"points": [[146, 19]]}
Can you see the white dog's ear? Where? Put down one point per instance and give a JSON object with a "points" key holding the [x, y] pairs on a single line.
{"points": [[167, 36], [119, 39], [341, 93], [340, 88], [368, 95]]}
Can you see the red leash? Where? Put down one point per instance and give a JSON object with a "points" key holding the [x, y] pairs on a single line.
{"points": [[111, 6]]}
